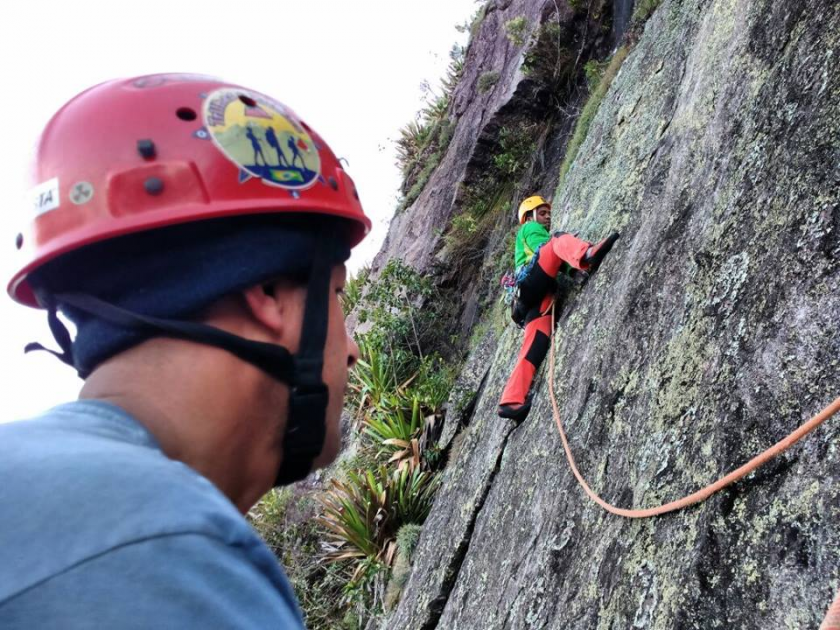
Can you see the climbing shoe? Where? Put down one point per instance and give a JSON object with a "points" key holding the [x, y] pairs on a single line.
{"points": [[595, 254], [515, 412], [578, 277]]}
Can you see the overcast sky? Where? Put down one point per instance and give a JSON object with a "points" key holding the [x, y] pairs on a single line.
{"points": [[352, 69]]}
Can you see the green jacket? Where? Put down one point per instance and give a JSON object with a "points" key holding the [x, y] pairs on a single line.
{"points": [[528, 239]]}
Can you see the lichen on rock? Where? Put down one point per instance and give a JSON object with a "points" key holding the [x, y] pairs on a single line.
{"points": [[711, 331]]}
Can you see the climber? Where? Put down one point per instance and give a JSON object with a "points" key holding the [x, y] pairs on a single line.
{"points": [[539, 258], [212, 344]]}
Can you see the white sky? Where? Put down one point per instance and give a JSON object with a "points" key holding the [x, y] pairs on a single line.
{"points": [[351, 69]]}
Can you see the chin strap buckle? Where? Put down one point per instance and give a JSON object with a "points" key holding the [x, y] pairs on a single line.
{"points": [[305, 435]]}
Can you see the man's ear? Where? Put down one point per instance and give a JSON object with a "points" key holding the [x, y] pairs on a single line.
{"points": [[266, 304]]}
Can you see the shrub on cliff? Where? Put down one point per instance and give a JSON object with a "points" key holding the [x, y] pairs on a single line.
{"points": [[487, 80], [517, 30]]}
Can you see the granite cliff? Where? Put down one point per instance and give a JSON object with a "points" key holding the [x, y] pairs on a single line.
{"points": [[711, 331]]}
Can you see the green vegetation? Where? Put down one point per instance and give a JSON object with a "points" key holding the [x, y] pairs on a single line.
{"points": [[363, 515], [419, 182], [353, 290], [398, 328], [516, 150], [486, 197], [464, 225], [644, 9], [407, 538], [550, 61], [517, 30], [396, 432], [339, 545], [268, 518], [474, 23], [283, 520], [589, 110], [487, 80], [594, 72], [482, 201], [423, 141], [399, 386]]}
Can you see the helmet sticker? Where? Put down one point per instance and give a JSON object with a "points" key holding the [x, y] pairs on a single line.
{"points": [[257, 135], [81, 192], [44, 197]]}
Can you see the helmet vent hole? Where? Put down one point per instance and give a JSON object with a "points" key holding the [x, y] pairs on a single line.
{"points": [[19, 241], [186, 113], [247, 100]]}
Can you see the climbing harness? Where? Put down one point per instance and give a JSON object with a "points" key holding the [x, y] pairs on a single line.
{"points": [[508, 284], [832, 620]]}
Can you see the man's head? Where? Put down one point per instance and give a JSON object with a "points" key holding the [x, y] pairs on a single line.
{"points": [[153, 210], [275, 313], [537, 209]]}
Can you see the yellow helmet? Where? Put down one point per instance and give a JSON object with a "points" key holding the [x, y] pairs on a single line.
{"points": [[531, 203]]}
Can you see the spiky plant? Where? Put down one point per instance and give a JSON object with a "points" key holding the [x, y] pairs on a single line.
{"points": [[374, 381], [397, 432], [353, 290], [362, 516], [436, 108], [414, 137]]}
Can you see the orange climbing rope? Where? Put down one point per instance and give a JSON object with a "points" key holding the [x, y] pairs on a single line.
{"points": [[702, 494], [832, 619]]}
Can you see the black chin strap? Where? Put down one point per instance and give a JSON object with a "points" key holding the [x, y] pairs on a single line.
{"points": [[275, 360], [60, 333], [305, 431], [306, 425]]}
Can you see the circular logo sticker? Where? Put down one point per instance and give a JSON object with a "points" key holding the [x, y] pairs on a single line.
{"points": [[255, 134], [81, 193]]}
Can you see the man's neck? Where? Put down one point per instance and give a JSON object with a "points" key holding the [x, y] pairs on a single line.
{"points": [[199, 413]]}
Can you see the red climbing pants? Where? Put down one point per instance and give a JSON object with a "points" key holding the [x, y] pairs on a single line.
{"points": [[536, 291]]}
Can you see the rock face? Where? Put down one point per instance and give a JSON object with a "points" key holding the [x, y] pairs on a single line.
{"points": [[477, 115], [711, 331]]}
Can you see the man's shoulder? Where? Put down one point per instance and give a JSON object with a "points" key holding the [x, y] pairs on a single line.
{"points": [[96, 456], [180, 581], [84, 479]]}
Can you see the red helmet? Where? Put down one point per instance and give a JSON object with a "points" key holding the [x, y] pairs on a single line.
{"points": [[137, 154]]}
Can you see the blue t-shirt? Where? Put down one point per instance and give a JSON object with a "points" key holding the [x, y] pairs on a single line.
{"points": [[99, 529]]}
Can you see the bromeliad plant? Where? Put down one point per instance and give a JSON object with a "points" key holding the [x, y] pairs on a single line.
{"points": [[397, 433], [353, 514], [399, 385], [412, 493], [362, 516], [381, 382], [373, 380], [396, 418], [353, 289]]}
